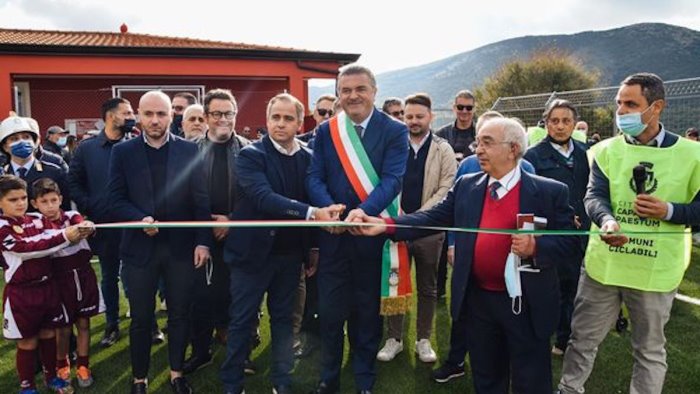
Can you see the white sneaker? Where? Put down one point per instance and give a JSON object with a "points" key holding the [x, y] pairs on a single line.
{"points": [[391, 348], [425, 352]]}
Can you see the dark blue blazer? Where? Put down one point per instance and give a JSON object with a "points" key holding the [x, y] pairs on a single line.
{"points": [[261, 183], [132, 198], [386, 142], [463, 207]]}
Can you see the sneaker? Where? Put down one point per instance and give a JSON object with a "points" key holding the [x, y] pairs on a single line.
{"points": [[180, 386], [447, 372], [425, 351], [84, 376], [59, 386], [157, 336], [391, 348], [248, 367], [140, 387], [282, 389], [557, 351], [111, 336], [64, 373], [195, 363]]}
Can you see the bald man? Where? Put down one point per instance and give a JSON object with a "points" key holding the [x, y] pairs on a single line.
{"points": [[152, 179]]}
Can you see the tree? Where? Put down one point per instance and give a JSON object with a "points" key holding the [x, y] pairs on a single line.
{"points": [[543, 72]]}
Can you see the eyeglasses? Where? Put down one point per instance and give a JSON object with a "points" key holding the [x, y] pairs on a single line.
{"points": [[216, 115], [324, 112], [461, 107], [178, 108], [396, 114], [199, 119], [487, 144]]}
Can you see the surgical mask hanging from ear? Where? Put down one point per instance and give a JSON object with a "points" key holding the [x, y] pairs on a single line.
{"points": [[511, 275], [631, 124]]}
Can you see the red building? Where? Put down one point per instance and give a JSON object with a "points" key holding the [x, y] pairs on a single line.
{"points": [[62, 77]]}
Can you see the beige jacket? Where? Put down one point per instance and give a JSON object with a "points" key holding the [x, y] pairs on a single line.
{"points": [[440, 170]]}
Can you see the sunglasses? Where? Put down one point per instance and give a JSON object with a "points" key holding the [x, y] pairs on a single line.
{"points": [[461, 107], [396, 114], [324, 112]]}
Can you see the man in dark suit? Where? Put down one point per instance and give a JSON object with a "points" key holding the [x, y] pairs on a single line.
{"points": [[349, 267], [157, 178], [508, 335], [271, 175], [562, 158]]}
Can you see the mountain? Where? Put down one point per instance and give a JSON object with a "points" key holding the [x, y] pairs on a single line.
{"points": [[672, 52]]}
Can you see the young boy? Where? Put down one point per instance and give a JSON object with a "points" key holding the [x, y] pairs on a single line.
{"points": [[31, 307], [75, 281]]}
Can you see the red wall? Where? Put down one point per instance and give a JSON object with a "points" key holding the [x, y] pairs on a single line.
{"points": [[55, 99]]}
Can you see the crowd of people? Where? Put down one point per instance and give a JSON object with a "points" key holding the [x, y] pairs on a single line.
{"points": [[379, 181]]}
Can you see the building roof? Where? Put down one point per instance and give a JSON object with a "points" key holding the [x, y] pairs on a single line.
{"points": [[86, 42]]}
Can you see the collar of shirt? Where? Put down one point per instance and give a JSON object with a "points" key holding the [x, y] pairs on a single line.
{"points": [[416, 147], [365, 122], [658, 139], [28, 165], [508, 181], [296, 147], [569, 148], [145, 139]]}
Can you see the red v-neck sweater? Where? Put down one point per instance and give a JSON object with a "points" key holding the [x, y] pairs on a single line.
{"points": [[491, 250]]}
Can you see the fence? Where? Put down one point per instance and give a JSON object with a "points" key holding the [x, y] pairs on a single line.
{"points": [[597, 106]]}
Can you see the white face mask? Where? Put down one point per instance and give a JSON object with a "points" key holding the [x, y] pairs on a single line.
{"points": [[511, 275]]}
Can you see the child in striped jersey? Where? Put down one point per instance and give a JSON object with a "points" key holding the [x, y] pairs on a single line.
{"points": [[31, 307], [76, 283]]}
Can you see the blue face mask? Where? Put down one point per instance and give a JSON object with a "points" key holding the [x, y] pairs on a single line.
{"points": [[22, 148], [631, 124], [511, 275], [62, 141]]}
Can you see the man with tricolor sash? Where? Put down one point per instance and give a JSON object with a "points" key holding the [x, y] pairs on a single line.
{"points": [[359, 160], [644, 202]]}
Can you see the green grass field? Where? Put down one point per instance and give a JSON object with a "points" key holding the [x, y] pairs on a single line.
{"points": [[403, 375]]}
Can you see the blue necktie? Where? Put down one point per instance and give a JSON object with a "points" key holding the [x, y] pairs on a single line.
{"points": [[493, 190], [360, 130]]}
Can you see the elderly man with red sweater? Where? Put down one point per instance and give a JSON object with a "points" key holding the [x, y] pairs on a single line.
{"points": [[507, 283]]}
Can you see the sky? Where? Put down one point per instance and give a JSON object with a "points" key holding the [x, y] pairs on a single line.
{"points": [[389, 35]]}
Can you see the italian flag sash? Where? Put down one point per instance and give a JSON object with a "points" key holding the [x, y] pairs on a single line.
{"points": [[396, 278]]}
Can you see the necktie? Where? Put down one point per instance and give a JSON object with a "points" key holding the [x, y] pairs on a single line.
{"points": [[493, 190], [360, 130], [22, 172]]}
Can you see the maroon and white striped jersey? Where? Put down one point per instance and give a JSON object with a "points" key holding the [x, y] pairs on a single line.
{"points": [[75, 256], [26, 245]]}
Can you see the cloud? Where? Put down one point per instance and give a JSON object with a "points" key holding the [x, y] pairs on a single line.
{"points": [[71, 15]]}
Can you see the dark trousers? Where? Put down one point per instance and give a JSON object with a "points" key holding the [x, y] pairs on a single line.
{"points": [[567, 289], [279, 278], [503, 346], [107, 249], [349, 284], [178, 272], [212, 298], [458, 338], [442, 270]]}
